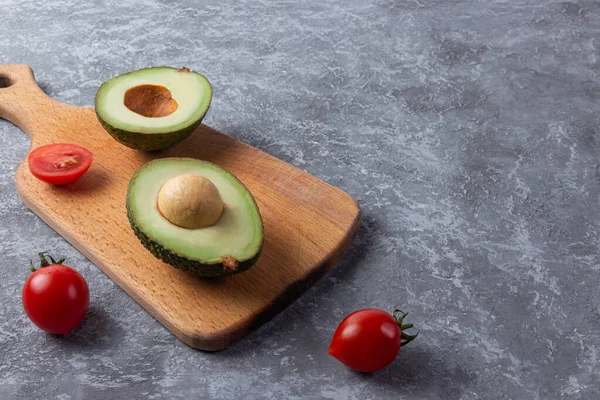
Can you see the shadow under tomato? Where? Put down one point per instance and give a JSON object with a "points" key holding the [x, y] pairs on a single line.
{"points": [[425, 372], [94, 180], [96, 329]]}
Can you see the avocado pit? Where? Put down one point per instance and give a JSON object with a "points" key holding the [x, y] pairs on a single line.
{"points": [[231, 246], [151, 101], [190, 201]]}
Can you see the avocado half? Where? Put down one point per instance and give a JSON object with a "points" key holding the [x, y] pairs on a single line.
{"points": [[153, 108], [230, 246]]}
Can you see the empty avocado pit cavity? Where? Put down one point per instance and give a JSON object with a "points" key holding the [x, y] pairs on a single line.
{"points": [[190, 201], [151, 101], [153, 108]]}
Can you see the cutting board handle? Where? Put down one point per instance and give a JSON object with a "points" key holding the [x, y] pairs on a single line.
{"points": [[22, 102]]}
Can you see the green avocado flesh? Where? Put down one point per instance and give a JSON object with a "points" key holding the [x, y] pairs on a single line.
{"points": [[230, 246], [190, 91]]}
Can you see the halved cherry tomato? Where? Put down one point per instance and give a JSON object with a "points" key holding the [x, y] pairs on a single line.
{"points": [[60, 163], [55, 296], [370, 339]]}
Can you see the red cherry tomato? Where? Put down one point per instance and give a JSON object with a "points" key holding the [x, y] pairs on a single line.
{"points": [[369, 339], [60, 163], [55, 297]]}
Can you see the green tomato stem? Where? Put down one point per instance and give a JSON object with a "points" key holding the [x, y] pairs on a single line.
{"points": [[43, 261], [44, 256], [406, 338]]}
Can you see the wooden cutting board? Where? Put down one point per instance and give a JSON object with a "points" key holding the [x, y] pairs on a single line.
{"points": [[309, 224]]}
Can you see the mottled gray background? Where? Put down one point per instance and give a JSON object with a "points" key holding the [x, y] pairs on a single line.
{"points": [[469, 133]]}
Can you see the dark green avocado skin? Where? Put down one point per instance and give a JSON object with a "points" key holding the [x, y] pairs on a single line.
{"points": [[195, 267], [146, 141], [171, 257]]}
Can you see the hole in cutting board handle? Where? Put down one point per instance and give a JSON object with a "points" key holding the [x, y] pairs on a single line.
{"points": [[5, 81]]}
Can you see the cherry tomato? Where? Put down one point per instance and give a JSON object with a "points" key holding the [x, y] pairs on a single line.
{"points": [[60, 163], [55, 297], [370, 339]]}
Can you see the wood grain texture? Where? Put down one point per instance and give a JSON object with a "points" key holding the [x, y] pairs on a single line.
{"points": [[308, 223]]}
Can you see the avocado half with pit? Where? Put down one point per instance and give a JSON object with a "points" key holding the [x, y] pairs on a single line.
{"points": [[153, 108], [196, 216]]}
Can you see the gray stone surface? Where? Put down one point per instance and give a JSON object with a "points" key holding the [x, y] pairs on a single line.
{"points": [[469, 131]]}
